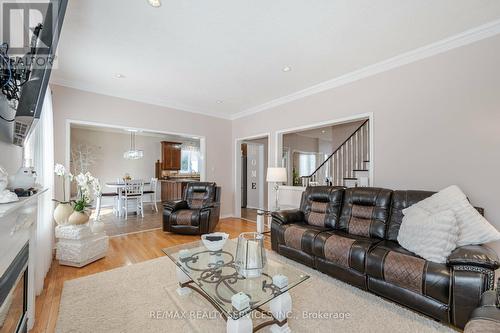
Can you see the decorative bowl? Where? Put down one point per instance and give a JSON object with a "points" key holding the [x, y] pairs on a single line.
{"points": [[214, 241]]}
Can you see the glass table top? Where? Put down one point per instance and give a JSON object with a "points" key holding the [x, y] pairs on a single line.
{"points": [[216, 274]]}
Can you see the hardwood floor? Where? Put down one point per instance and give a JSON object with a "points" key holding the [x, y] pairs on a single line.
{"points": [[249, 214], [123, 251], [115, 226]]}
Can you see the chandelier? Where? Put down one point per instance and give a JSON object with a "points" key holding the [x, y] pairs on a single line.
{"points": [[133, 153]]}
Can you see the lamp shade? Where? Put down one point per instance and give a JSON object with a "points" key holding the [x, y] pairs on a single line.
{"points": [[276, 175]]}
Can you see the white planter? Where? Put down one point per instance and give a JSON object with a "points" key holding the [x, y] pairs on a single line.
{"points": [[77, 218], [62, 213]]}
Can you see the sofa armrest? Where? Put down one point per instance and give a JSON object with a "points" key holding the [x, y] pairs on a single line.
{"points": [[176, 205], [474, 255], [288, 216], [212, 205]]}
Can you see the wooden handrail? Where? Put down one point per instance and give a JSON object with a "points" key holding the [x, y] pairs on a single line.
{"points": [[336, 150]]}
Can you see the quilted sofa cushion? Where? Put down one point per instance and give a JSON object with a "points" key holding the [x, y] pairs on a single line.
{"points": [[189, 217], [299, 236], [365, 211], [389, 262], [343, 249], [321, 205]]}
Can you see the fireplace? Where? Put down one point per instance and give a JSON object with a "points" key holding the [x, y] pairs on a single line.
{"points": [[14, 295]]}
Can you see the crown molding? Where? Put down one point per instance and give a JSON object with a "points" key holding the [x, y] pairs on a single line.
{"points": [[136, 98], [464, 38]]}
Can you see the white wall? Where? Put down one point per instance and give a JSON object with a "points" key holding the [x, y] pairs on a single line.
{"points": [[72, 104], [436, 122]]}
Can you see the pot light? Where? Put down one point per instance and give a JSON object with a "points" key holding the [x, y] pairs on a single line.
{"points": [[286, 69], [155, 3], [119, 76], [219, 101]]}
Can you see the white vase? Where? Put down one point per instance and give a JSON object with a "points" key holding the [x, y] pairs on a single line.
{"points": [[77, 218], [62, 213]]}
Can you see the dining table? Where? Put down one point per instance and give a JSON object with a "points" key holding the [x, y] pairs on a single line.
{"points": [[120, 187]]}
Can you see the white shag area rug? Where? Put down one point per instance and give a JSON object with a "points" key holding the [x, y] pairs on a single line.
{"points": [[143, 298]]}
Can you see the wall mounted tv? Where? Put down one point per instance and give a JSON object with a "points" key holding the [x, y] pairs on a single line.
{"points": [[24, 78]]}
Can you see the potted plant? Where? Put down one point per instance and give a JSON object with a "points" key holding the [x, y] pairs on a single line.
{"points": [[85, 182], [64, 207]]}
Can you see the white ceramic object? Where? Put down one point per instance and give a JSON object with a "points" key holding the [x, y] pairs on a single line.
{"points": [[217, 245], [77, 218], [23, 179], [62, 213], [6, 196]]}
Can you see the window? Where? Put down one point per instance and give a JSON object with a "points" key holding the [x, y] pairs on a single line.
{"points": [[307, 164], [190, 161]]}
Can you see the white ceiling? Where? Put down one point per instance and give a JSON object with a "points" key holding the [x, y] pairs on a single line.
{"points": [[188, 54]]}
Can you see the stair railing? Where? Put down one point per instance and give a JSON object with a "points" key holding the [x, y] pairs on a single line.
{"points": [[350, 156]]}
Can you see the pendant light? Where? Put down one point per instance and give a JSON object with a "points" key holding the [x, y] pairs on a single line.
{"points": [[133, 153]]}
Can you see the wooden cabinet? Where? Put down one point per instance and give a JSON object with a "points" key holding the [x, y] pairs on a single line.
{"points": [[172, 190], [171, 155]]}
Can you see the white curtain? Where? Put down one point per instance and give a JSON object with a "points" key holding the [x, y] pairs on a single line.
{"points": [[40, 150]]}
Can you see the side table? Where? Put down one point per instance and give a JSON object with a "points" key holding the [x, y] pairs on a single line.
{"points": [[78, 246]]}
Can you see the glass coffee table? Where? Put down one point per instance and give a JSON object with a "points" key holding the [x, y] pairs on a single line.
{"points": [[214, 275]]}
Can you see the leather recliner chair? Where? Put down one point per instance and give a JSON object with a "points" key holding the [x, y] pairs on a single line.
{"points": [[351, 234], [197, 214]]}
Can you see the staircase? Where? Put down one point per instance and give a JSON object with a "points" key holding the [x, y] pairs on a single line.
{"points": [[348, 165]]}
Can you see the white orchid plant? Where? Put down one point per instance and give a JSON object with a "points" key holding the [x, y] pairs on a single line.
{"points": [[86, 184], [60, 171], [88, 187]]}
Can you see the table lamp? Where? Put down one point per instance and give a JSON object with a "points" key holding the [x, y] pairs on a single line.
{"points": [[276, 176]]}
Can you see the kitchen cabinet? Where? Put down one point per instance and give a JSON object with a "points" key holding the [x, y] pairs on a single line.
{"points": [[171, 155], [172, 190]]}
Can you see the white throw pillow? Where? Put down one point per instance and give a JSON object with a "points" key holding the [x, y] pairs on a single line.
{"points": [[473, 228], [433, 237]]}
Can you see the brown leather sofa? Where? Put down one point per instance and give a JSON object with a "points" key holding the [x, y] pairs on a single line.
{"points": [[351, 234], [198, 213]]}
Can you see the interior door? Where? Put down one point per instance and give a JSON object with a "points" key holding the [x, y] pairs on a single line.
{"points": [[255, 176]]}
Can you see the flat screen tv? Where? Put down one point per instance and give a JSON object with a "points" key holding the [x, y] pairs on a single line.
{"points": [[38, 62]]}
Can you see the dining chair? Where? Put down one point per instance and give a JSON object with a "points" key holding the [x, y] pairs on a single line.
{"points": [[152, 192], [98, 205], [133, 191]]}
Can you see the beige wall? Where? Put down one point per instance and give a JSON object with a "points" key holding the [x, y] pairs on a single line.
{"points": [[300, 143], [109, 148], [84, 106], [436, 122]]}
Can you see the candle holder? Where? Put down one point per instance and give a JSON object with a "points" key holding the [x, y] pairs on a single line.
{"points": [[250, 254]]}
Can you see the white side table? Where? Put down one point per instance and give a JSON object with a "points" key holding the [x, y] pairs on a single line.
{"points": [[78, 246]]}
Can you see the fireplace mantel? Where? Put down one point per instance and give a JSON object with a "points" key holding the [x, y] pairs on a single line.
{"points": [[18, 227]]}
